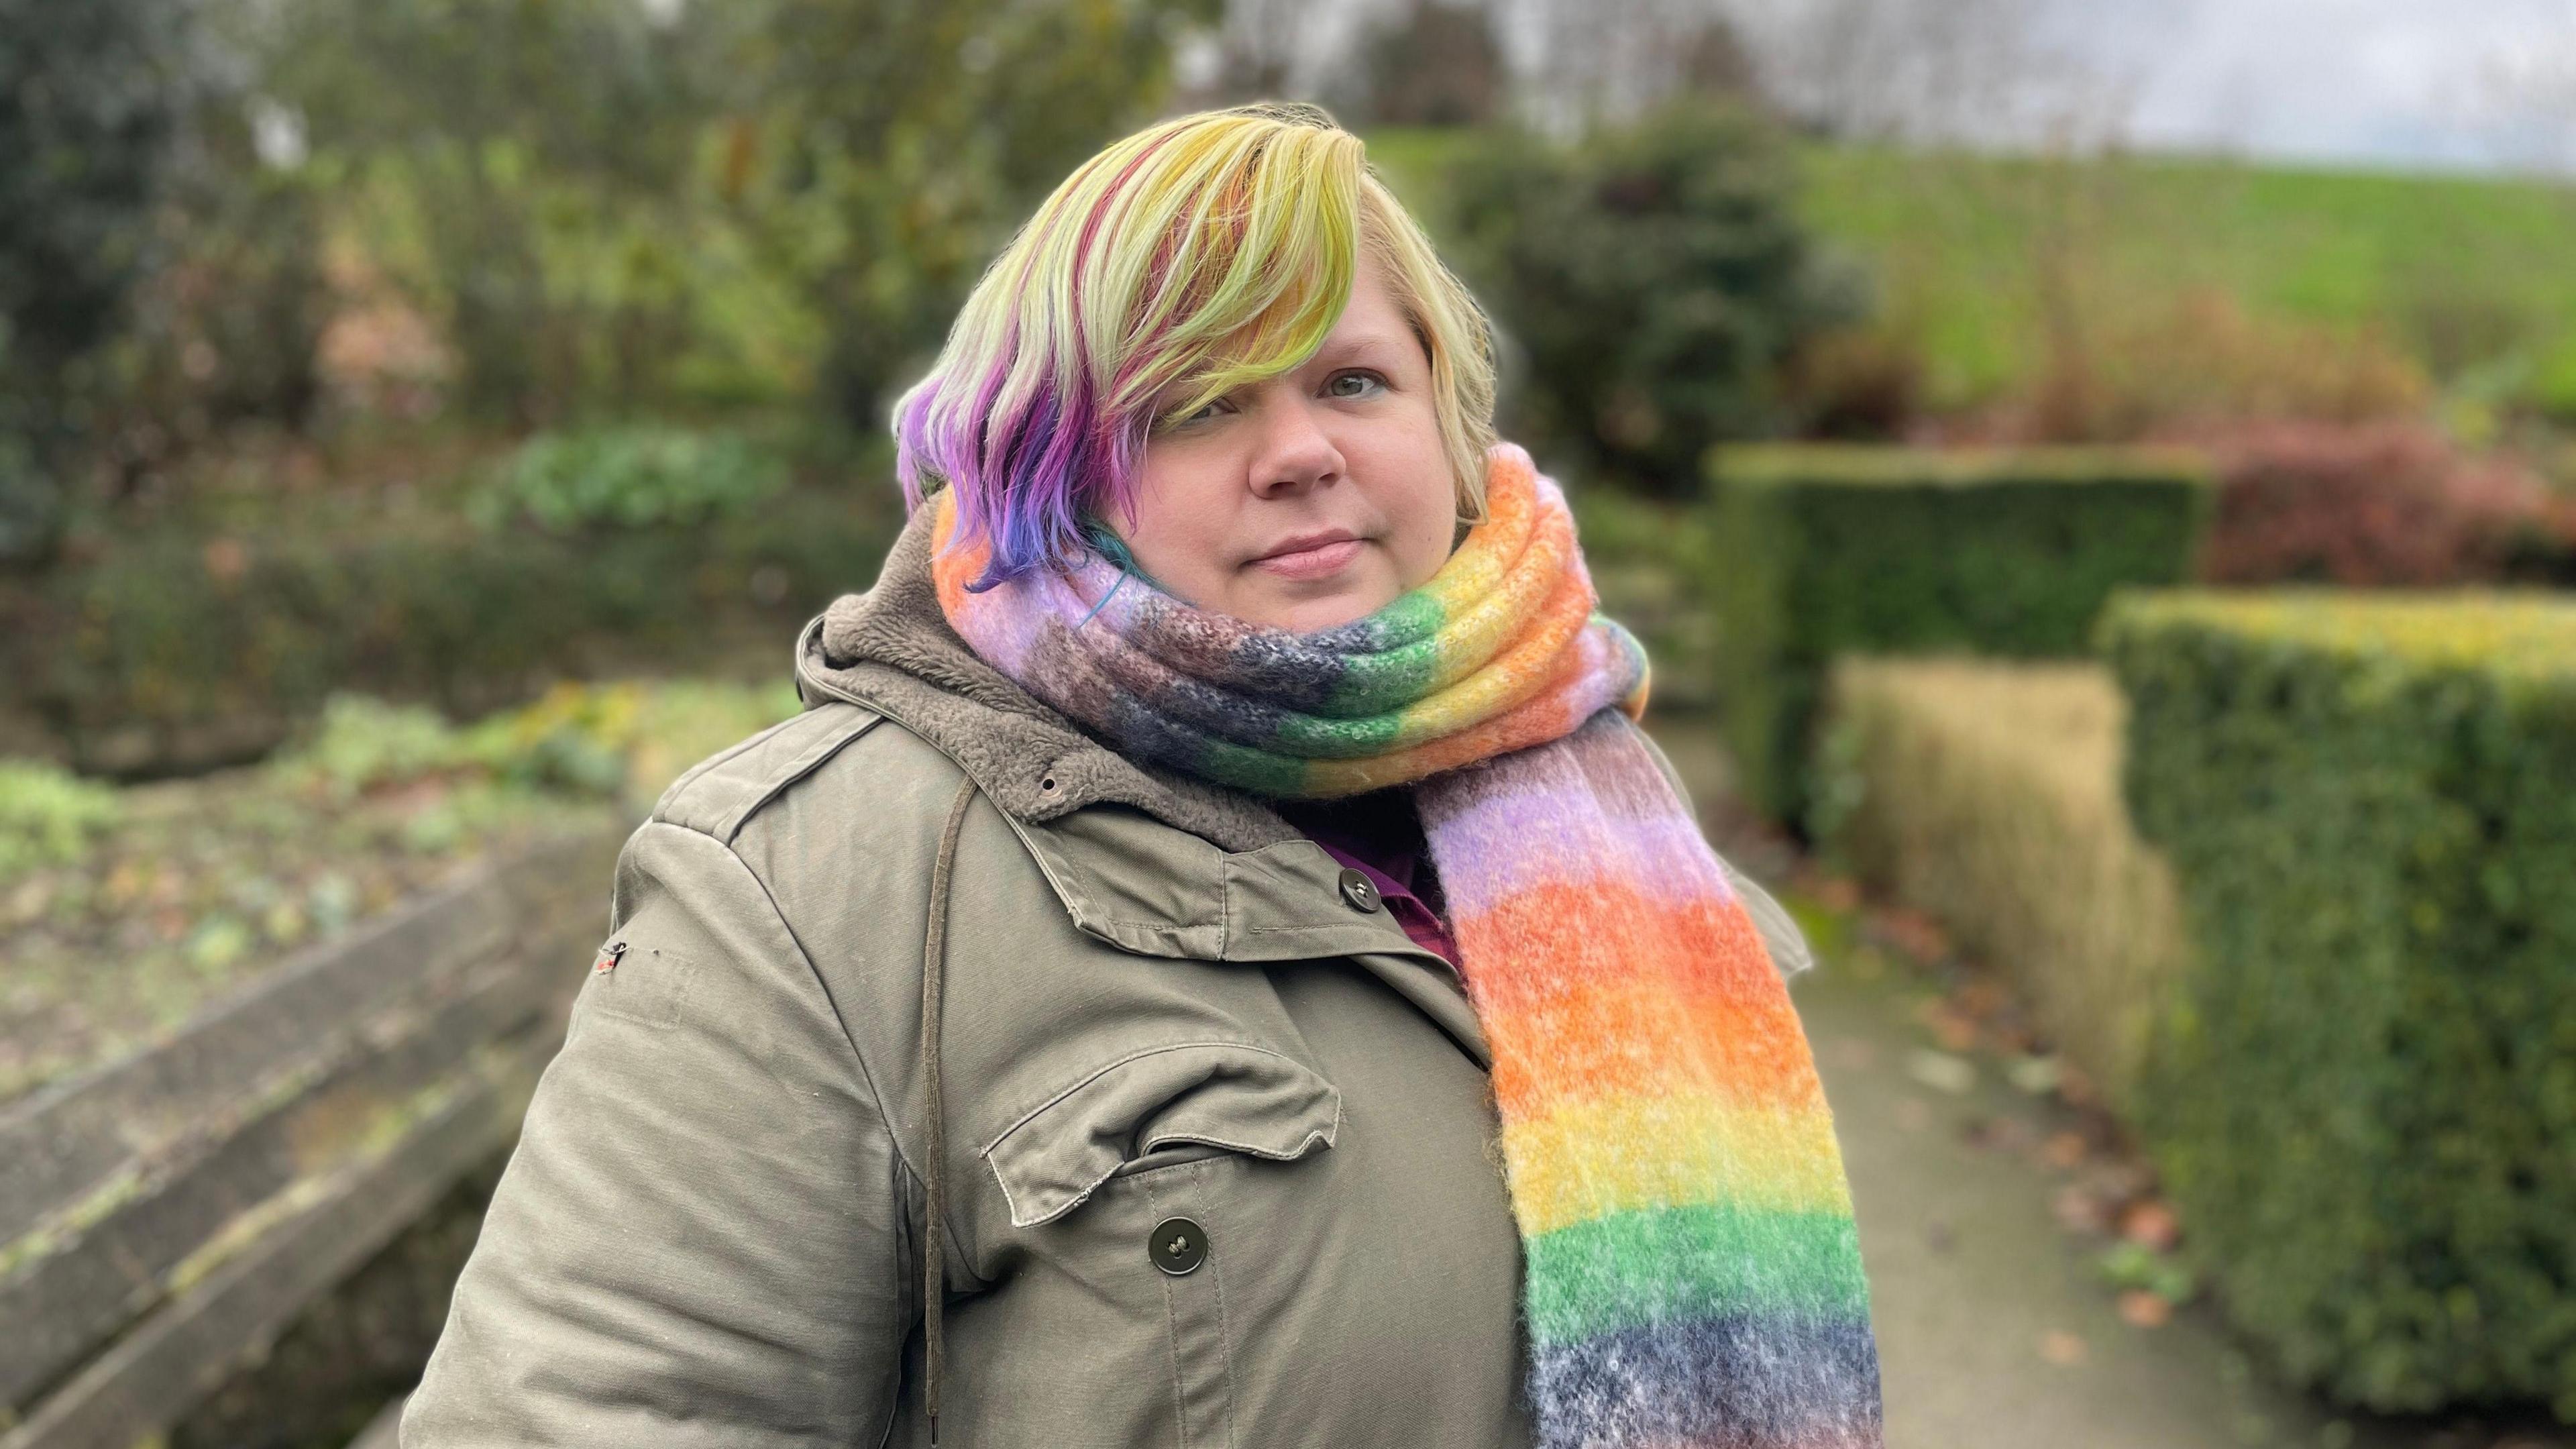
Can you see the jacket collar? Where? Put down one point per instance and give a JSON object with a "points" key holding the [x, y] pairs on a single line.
{"points": [[892, 650], [1241, 884]]}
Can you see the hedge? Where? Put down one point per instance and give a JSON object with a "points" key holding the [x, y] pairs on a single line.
{"points": [[1986, 793], [2364, 1099], [168, 656], [1823, 551], [1648, 562]]}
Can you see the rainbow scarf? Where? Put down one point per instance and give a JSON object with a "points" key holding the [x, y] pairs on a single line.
{"points": [[1693, 1275]]}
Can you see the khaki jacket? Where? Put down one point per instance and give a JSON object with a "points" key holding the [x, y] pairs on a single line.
{"points": [[1215, 1152]]}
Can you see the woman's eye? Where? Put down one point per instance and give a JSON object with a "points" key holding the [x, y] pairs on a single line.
{"points": [[1214, 407], [1354, 384]]}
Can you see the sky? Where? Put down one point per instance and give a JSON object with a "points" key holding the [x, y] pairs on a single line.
{"points": [[2402, 83], [2396, 84]]}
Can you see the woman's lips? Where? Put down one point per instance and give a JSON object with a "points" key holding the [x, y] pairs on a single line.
{"points": [[1311, 563]]}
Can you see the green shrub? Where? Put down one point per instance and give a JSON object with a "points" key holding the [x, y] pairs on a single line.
{"points": [[2364, 1097], [1655, 278], [1987, 794], [1823, 551], [47, 816], [1644, 556], [629, 477], [91, 98], [362, 744], [156, 658]]}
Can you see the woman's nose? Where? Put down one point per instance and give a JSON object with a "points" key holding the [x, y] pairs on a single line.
{"points": [[1295, 452]]}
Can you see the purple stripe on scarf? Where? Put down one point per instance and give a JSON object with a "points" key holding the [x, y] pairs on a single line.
{"points": [[1525, 844]]}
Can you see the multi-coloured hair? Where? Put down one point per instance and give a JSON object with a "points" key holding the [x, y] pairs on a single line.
{"points": [[1190, 259]]}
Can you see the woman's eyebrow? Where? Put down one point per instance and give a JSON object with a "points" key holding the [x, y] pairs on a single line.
{"points": [[1359, 345]]}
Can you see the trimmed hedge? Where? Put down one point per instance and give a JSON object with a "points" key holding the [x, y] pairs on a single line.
{"points": [[2364, 1099], [1824, 551], [1986, 793], [167, 657], [1647, 560]]}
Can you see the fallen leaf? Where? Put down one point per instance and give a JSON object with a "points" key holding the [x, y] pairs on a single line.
{"points": [[1941, 1071], [1915, 933], [2150, 1222], [2145, 1309], [2035, 1075], [2079, 1211], [1957, 1032], [1982, 999], [2064, 1149], [2061, 1348], [1998, 1134]]}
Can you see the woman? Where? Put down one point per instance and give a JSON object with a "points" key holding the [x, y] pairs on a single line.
{"points": [[1215, 962]]}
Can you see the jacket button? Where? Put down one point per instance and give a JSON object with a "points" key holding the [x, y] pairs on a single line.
{"points": [[1358, 890], [1178, 1246]]}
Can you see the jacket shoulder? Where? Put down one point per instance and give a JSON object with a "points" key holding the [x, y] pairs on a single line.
{"points": [[718, 794]]}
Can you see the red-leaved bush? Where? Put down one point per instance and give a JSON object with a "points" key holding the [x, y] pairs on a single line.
{"points": [[2385, 504]]}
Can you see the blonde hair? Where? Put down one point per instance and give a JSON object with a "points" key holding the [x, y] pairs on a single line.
{"points": [[1185, 261]]}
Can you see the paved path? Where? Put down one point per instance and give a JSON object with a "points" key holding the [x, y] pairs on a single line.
{"points": [[1994, 1330]]}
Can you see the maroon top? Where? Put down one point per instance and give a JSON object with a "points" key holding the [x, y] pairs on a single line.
{"points": [[1379, 835]]}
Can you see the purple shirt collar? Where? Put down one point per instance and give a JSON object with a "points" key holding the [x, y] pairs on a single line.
{"points": [[1379, 835]]}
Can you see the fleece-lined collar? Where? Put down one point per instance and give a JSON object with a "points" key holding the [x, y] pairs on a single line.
{"points": [[891, 649], [1241, 884]]}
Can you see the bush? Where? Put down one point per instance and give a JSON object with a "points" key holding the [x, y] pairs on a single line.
{"points": [[47, 816], [2130, 366], [2364, 1097], [1656, 280], [1821, 551], [171, 653], [1645, 556], [1987, 794], [629, 477], [2372, 506], [90, 102]]}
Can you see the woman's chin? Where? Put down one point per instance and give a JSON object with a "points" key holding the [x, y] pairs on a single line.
{"points": [[1309, 605]]}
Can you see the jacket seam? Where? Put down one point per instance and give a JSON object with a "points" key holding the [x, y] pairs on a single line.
{"points": [[1224, 1329], [1031, 1114], [1172, 1322], [814, 759], [858, 1058]]}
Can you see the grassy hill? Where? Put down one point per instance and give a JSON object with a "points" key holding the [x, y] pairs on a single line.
{"points": [[2472, 280]]}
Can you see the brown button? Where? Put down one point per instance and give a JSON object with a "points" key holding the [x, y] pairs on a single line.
{"points": [[1359, 890]]}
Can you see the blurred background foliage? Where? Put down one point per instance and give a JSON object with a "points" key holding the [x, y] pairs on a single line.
{"points": [[379, 378]]}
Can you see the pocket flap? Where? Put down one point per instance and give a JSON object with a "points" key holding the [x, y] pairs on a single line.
{"points": [[1227, 1094]]}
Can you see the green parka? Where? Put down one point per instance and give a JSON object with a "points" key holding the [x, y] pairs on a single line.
{"points": [[1214, 1150]]}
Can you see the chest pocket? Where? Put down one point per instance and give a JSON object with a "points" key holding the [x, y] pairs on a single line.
{"points": [[1153, 1198], [1159, 1107]]}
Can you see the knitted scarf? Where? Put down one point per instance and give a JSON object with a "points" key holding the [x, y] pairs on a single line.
{"points": [[1692, 1273]]}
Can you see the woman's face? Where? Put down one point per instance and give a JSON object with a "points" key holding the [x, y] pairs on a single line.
{"points": [[1311, 498]]}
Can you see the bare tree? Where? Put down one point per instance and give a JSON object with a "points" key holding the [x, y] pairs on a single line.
{"points": [[2525, 100], [1276, 49], [1980, 72], [1586, 61], [1435, 63]]}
